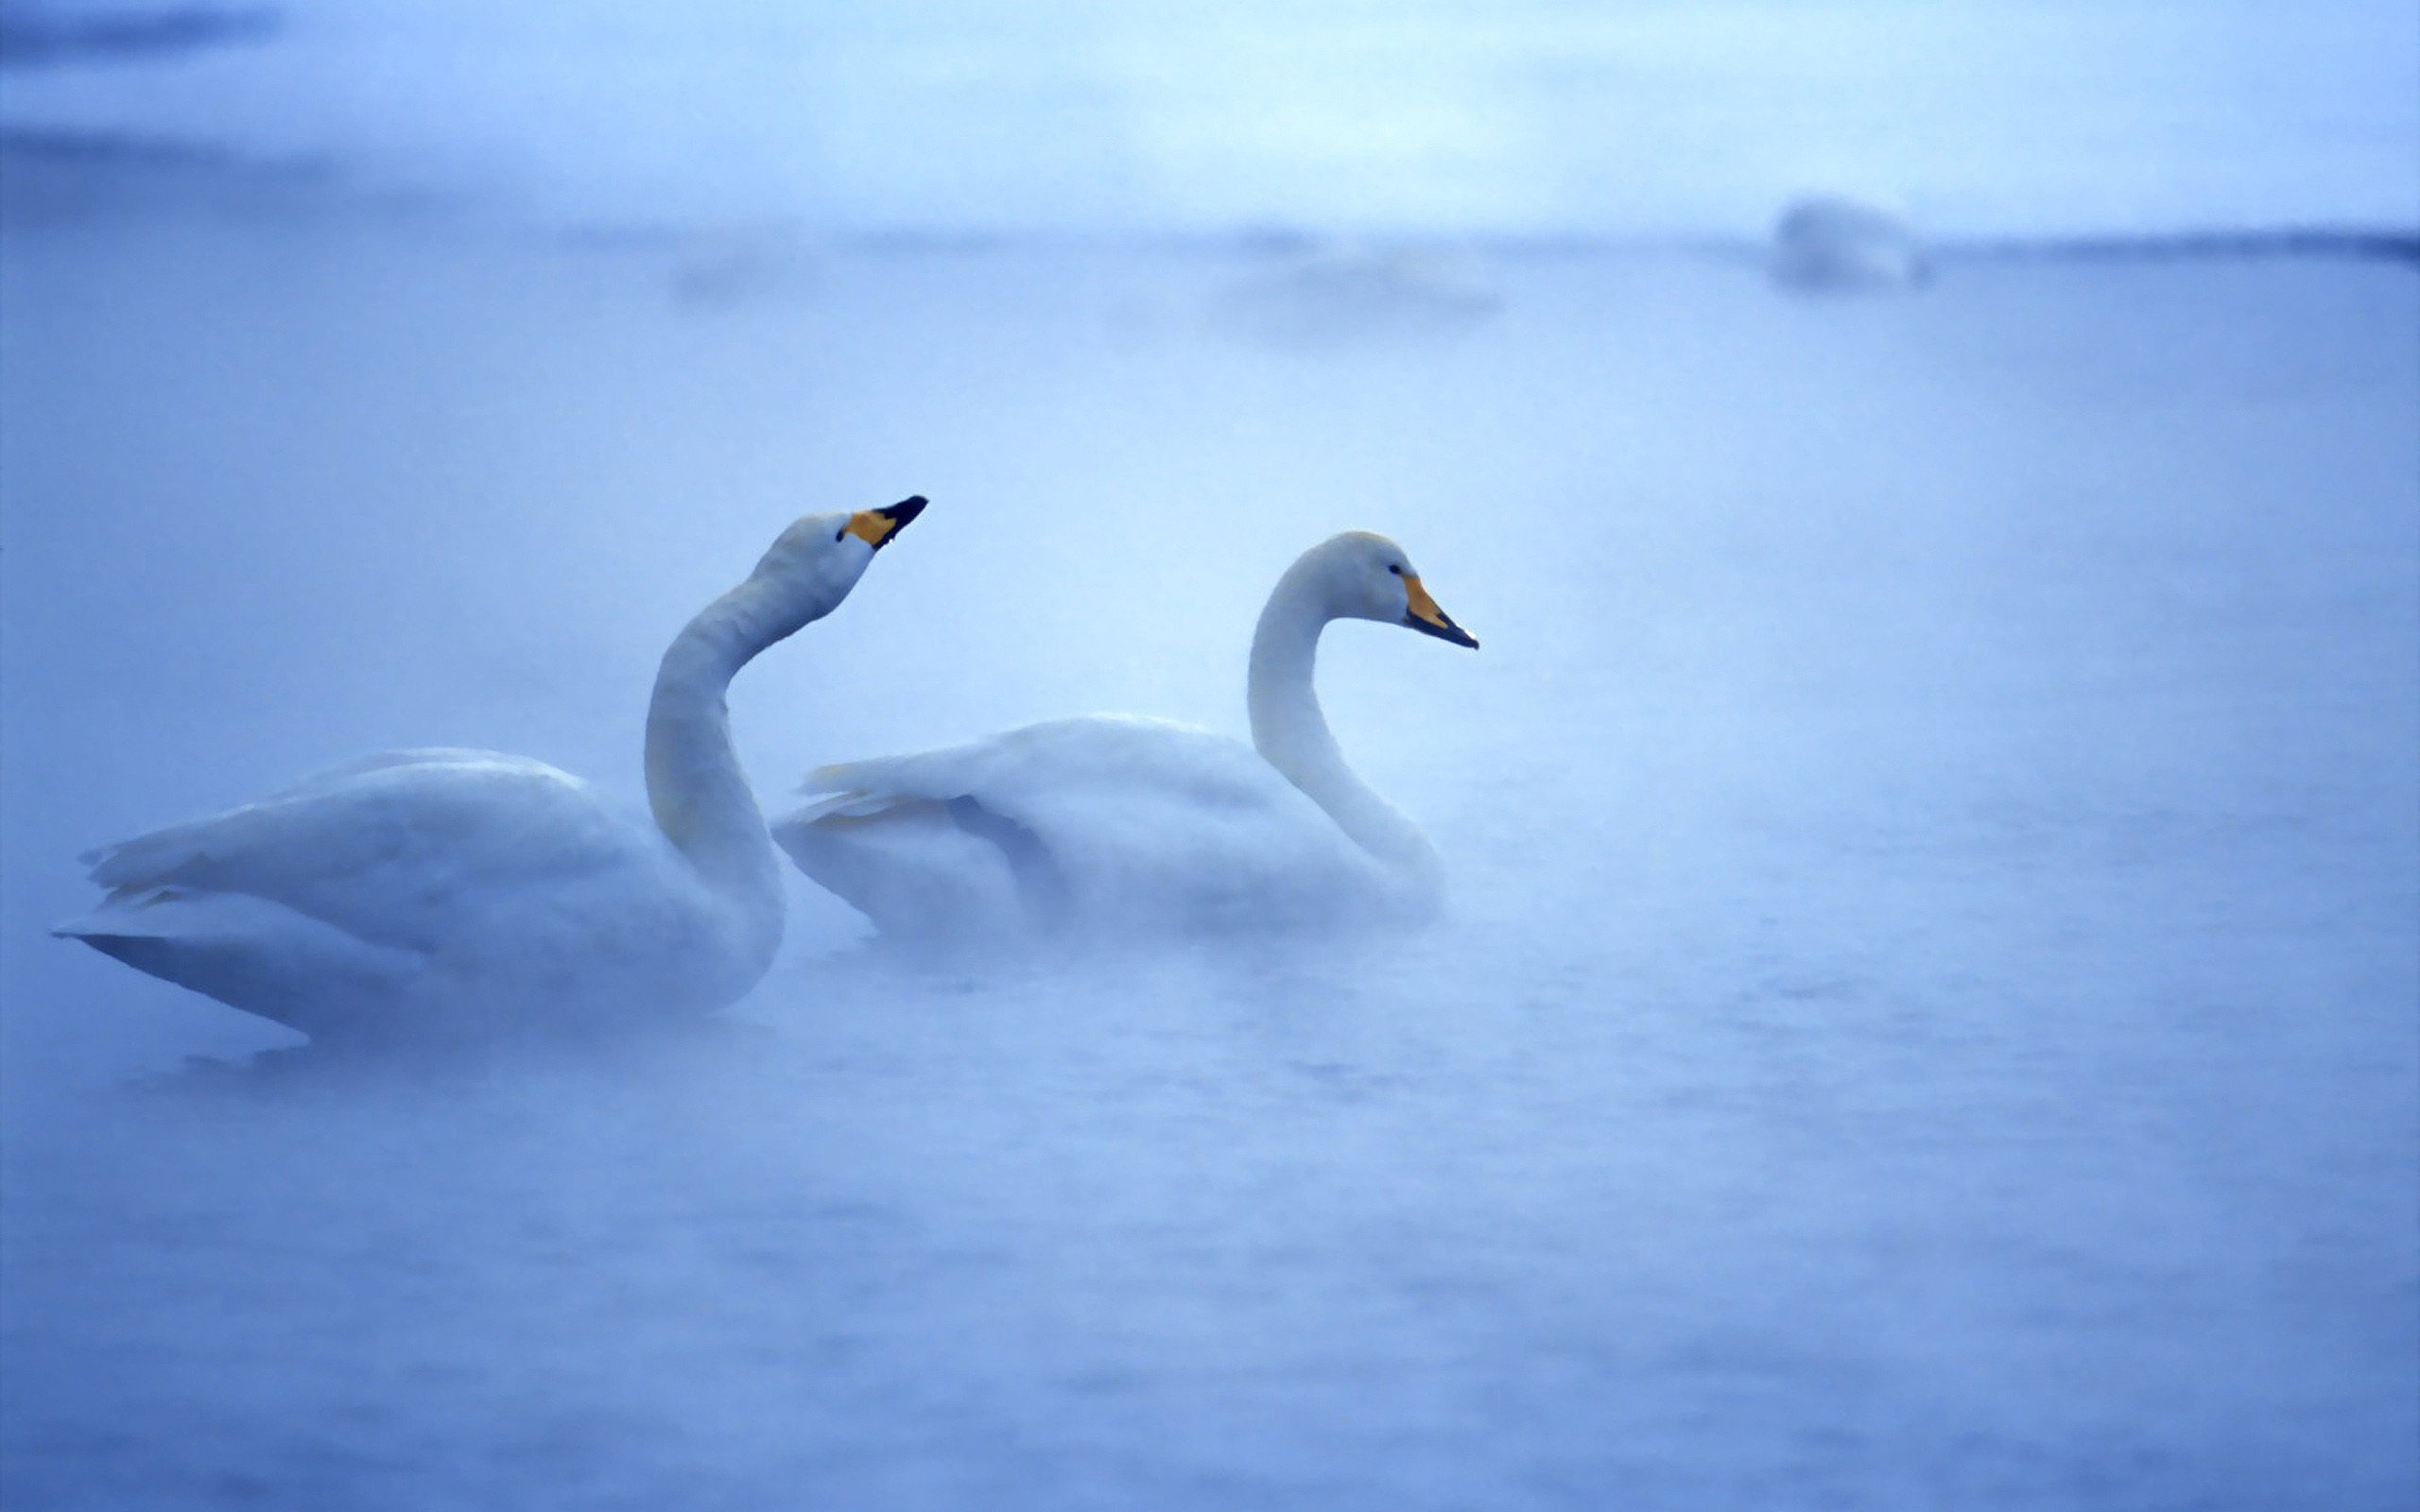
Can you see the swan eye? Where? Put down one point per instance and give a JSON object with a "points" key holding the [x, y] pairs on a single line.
{"points": [[1392, 568], [838, 534]]}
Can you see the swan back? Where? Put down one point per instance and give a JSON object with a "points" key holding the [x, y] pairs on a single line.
{"points": [[1103, 826]]}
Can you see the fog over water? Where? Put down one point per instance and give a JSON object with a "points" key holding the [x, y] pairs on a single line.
{"points": [[1661, 119], [1926, 1016]]}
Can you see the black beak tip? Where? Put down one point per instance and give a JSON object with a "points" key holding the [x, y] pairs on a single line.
{"points": [[904, 512], [1447, 631]]}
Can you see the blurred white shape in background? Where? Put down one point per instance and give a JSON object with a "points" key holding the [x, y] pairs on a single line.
{"points": [[723, 265], [1829, 243], [1343, 294]]}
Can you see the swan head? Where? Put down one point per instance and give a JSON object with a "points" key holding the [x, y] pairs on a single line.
{"points": [[824, 555], [1366, 576]]}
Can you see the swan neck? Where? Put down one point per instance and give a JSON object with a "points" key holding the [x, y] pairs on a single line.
{"points": [[695, 786], [1290, 731]]}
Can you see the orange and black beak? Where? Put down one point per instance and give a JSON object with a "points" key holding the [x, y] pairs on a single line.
{"points": [[877, 526], [1423, 615]]}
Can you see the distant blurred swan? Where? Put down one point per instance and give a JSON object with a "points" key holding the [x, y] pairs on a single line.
{"points": [[1824, 243], [463, 894], [1344, 295], [1110, 825]]}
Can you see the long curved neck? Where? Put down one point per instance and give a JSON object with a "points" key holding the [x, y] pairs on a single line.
{"points": [[1291, 734], [694, 783]]}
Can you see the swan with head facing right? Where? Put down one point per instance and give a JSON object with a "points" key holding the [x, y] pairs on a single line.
{"points": [[465, 895], [1115, 826]]}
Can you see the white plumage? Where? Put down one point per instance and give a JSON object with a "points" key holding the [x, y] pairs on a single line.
{"points": [[1104, 821], [1113, 826], [463, 894]]}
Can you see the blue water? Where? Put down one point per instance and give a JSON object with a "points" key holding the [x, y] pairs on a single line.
{"points": [[1930, 1017]]}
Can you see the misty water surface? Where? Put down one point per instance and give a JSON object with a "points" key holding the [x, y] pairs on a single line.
{"points": [[1927, 1019]]}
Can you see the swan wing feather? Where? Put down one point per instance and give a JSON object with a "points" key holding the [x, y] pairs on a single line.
{"points": [[1134, 816], [392, 848], [1095, 753]]}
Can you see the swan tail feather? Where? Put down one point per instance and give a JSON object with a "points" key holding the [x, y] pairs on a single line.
{"points": [[248, 951], [147, 861], [848, 805], [908, 864], [827, 779], [876, 775]]}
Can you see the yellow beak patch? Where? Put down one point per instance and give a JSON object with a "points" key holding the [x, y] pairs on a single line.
{"points": [[1422, 613], [870, 527]]}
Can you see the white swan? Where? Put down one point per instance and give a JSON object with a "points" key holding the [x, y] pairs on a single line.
{"points": [[462, 894], [1110, 825]]}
